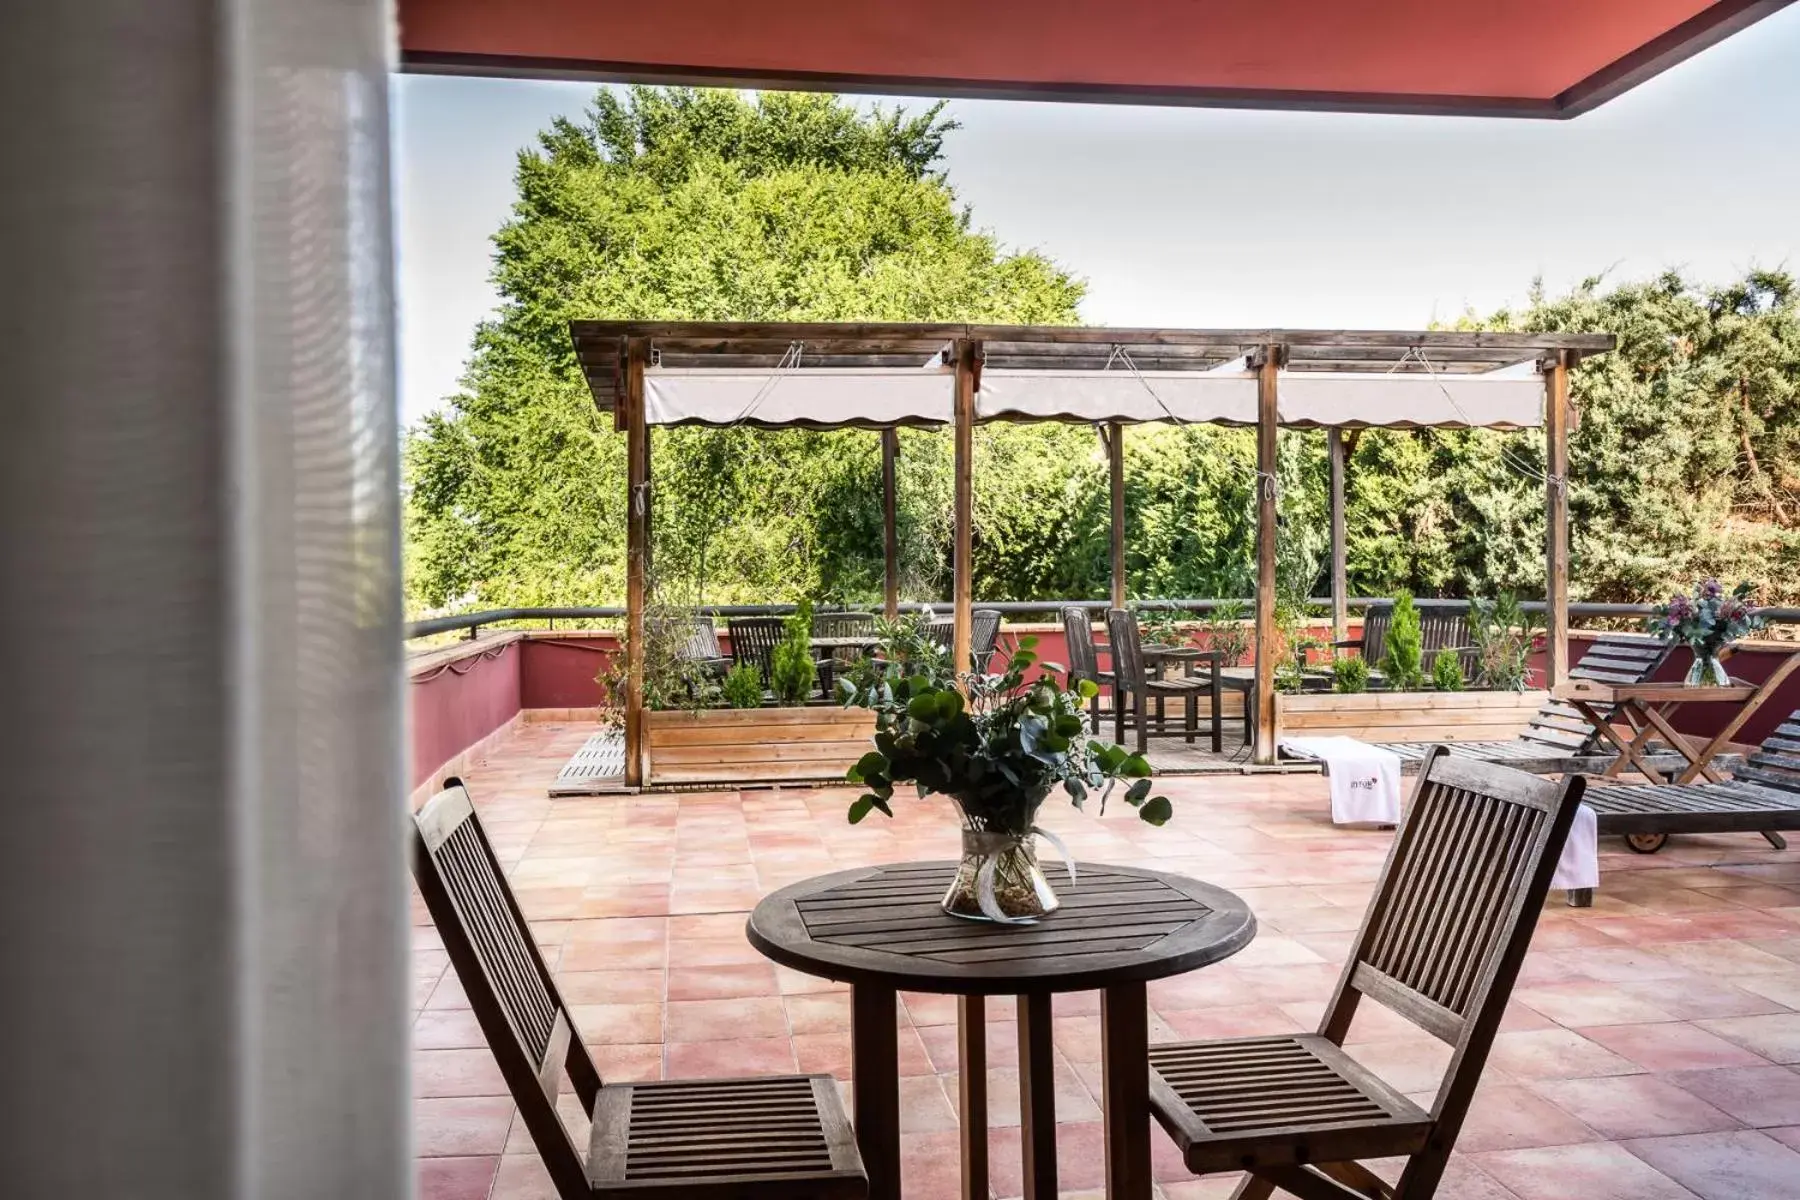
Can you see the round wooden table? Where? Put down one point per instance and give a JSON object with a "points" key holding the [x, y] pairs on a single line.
{"points": [[881, 930]]}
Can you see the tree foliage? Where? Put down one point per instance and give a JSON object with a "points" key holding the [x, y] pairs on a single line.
{"points": [[687, 204]]}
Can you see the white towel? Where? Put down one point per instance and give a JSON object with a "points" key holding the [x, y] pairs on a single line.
{"points": [[1365, 779], [1579, 866]]}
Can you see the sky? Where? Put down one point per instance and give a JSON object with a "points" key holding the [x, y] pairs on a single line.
{"points": [[1201, 217]]}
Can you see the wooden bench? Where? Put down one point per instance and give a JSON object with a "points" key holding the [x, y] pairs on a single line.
{"points": [[1440, 945], [1762, 796], [777, 1137], [1557, 738]]}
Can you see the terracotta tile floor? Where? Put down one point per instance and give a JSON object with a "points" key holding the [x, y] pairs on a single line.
{"points": [[1650, 1050]]}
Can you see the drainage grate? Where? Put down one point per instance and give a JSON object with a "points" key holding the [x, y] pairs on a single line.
{"points": [[599, 766]]}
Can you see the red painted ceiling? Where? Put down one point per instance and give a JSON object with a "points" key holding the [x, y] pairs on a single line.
{"points": [[1536, 56]]}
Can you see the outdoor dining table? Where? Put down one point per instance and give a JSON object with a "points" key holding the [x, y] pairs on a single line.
{"points": [[882, 930], [1647, 708]]}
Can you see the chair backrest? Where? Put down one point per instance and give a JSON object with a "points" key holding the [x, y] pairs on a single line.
{"points": [[1444, 625], [1078, 636], [502, 972], [1453, 912], [1127, 652], [1609, 658], [699, 640], [753, 640], [984, 632], [1376, 619], [843, 624], [1775, 763], [942, 632]]}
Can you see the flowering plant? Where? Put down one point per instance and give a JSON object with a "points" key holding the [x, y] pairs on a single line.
{"points": [[1708, 620]]}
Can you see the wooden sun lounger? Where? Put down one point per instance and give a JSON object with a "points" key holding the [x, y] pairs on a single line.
{"points": [[1558, 738], [1762, 796]]}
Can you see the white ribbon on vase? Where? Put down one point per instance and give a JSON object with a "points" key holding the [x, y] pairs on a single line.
{"points": [[984, 878]]}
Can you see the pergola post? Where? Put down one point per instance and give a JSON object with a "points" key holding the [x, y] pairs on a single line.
{"points": [[963, 562], [890, 534], [1115, 457], [1340, 592], [1556, 528], [637, 553], [1267, 362]]}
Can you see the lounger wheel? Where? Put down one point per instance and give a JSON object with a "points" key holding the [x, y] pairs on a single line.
{"points": [[1646, 843]]}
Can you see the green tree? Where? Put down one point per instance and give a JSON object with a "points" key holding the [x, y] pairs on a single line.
{"points": [[696, 204]]}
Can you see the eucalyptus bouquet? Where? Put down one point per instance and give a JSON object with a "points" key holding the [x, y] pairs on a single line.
{"points": [[998, 745], [1707, 620]]}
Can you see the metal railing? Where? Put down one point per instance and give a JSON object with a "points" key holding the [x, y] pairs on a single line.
{"points": [[473, 622]]}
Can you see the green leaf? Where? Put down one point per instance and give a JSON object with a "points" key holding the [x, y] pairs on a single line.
{"points": [[1137, 791], [859, 808], [872, 763], [1135, 767], [1157, 810], [1087, 689]]}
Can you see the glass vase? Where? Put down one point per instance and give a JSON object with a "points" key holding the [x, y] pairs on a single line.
{"points": [[1707, 671], [999, 879]]}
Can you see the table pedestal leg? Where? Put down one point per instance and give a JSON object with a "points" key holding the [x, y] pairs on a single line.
{"points": [[1125, 1075], [1037, 1097], [971, 1093], [875, 1062]]}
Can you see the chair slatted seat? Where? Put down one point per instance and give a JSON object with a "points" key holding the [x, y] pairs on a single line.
{"points": [[1558, 738], [1762, 796], [716, 1139], [1441, 945]]}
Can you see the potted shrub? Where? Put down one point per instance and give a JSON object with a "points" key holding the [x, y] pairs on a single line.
{"points": [[998, 746]]}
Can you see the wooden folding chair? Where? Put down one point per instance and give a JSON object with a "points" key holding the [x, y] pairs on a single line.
{"points": [[1441, 945], [775, 1137]]}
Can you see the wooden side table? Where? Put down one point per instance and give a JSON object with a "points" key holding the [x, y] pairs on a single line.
{"points": [[881, 930], [1647, 708]]}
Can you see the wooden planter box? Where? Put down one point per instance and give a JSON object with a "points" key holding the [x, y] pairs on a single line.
{"points": [[755, 745], [1408, 716]]}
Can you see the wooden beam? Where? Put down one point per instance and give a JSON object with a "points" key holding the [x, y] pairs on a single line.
{"points": [[890, 535], [1115, 458], [1556, 535], [963, 555], [637, 554], [1267, 362], [1340, 594]]}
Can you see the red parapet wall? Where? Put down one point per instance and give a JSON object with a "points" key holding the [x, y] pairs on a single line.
{"points": [[560, 672], [464, 694], [457, 701]]}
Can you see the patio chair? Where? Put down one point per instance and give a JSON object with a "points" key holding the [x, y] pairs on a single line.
{"points": [[701, 645], [1134, 687], [1557, 738], [1084, 657], [1762, 796], [776, 1137], [753, 641], [1440, 945], [984, 636]]}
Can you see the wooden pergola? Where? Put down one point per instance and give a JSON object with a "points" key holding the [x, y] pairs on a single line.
{"points": [[724, 373]]}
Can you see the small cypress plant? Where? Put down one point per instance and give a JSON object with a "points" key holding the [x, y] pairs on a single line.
{"points": [[1447, 672], [792, 671], [1350, 675], [1404, 663], [743, 687]]}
